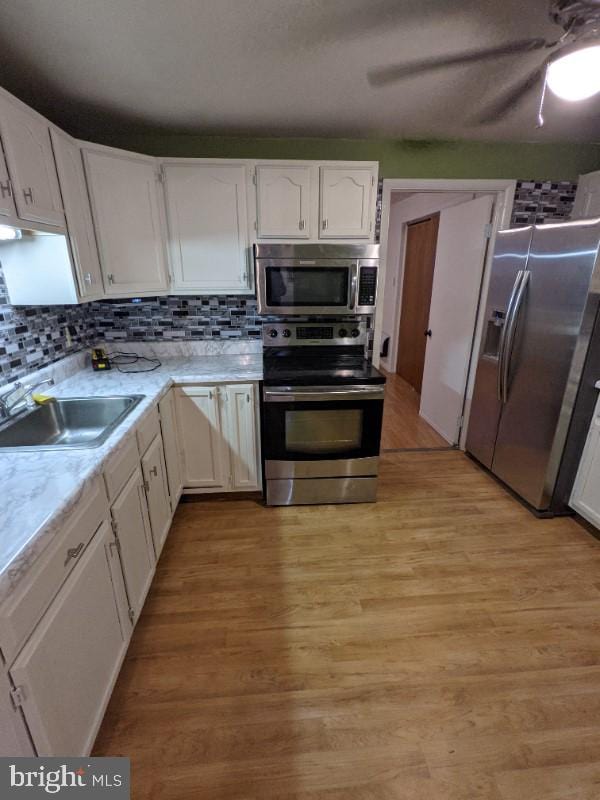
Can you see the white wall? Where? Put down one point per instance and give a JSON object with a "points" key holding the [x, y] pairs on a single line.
{"points": [[405, 208]]}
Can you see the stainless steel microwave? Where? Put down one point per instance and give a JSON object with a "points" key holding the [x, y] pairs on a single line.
{"points": [[316, 279]]}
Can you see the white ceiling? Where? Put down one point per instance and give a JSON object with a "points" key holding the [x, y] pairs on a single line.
{"points": [[276, 67]]}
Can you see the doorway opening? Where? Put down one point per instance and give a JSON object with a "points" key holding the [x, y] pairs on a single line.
{"points": [[436, 248]]}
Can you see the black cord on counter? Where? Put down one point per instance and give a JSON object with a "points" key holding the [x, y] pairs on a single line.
{"points": [[120, 359]]}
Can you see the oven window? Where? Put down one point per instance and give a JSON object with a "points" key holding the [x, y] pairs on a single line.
{"points": [[323, 431], [307, 286]]}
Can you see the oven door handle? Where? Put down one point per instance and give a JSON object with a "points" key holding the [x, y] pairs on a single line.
{"points": [[290, 394]]}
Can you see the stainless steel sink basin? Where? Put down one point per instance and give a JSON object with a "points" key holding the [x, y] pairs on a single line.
{"points": [[74, 422]]}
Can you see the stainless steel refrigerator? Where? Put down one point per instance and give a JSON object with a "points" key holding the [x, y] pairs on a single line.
{"points": [[540, 358]]}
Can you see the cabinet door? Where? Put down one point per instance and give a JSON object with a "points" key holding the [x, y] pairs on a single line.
{"points": [[127, 219], [199, 430], [586, 491], [587, 198], [168, 426], [132, 528], [208, 227], [7, 202], [68, 667], [283, 198], [157, 493], [26, 139], [241, 435], [346, 202], [84, 249]]}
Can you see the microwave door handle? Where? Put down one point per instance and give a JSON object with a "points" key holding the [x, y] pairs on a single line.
{"points": [[502, 347], [353, 287]]}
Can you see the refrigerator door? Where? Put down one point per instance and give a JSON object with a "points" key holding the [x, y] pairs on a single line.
{"points": [[510, 260], [546, 326]]}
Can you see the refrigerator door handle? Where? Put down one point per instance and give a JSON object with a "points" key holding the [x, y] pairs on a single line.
{"points": [[510, 333], [502, 347]]}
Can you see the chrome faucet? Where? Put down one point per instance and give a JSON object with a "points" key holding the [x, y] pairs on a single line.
{"points": [[9, 407]]}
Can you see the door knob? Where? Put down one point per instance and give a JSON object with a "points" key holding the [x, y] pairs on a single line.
{"points": [[428, 332]]}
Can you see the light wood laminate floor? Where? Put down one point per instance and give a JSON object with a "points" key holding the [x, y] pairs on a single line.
{"points": [[442, 644], [403, 428]]}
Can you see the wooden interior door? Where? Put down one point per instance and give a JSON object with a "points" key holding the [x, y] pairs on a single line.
{"points": [[419, 263]]}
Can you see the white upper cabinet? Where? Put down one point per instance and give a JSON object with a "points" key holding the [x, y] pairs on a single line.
{"points": [[283, 201], [587, 198], [86, 262], [347, 196], [26, 140], [7, 202], [208, 227], [128, 221]]}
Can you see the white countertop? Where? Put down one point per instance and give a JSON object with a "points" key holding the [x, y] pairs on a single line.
{"points": [[40, 488]]}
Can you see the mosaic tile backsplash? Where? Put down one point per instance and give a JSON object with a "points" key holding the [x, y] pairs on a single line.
{"points": [[31, 338], [537, 202], [177, 318]]}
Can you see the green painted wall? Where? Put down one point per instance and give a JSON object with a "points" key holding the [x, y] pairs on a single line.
{"points": [[397, 158]]}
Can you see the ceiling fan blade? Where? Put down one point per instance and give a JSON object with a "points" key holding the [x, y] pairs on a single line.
{"points": [[513, 96], [396, 72]]}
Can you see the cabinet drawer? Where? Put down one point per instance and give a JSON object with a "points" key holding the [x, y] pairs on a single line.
{"points": [[148, 428], [21, 612], [119, 466]]}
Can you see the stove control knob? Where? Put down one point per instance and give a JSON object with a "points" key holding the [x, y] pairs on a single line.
{"points": [[342, 333], [286, 333], [272, 333], [354, 333]]}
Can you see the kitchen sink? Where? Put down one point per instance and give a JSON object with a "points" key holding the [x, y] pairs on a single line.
{"points": [[70, 422]]}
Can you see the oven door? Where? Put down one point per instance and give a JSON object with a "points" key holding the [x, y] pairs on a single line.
{"points": [[321, 431], [292, 287]]}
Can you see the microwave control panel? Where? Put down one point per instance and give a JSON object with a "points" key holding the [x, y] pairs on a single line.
{"points": [[367, 286]]}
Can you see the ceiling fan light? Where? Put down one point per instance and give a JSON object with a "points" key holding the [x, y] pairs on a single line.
{"points": [[576, 76]]}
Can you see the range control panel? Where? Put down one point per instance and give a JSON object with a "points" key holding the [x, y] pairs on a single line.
{"points": [[304, 334]]}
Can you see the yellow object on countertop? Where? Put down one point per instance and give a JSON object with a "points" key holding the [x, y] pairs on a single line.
{"points": [[42, 399]]}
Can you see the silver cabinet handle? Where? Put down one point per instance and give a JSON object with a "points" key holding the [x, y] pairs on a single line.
{"points": [[510, 333], [88, 278], [502, 346], [28, 195], [301, 224], [325, 224], [154, 471], [73, 552], [5, 189], [110, 277]]}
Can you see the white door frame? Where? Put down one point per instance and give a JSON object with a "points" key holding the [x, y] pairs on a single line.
{"points": [[504, 191]]}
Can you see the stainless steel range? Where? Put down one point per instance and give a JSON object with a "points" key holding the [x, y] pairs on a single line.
{"points": [[322, 409]]}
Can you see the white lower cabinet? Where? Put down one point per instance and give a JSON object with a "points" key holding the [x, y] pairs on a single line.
{"points": [[199, 428], [218, 432], [157, 492], [134, 536], [240, 433], [585, 498], [168, 425], [65, 673]]}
